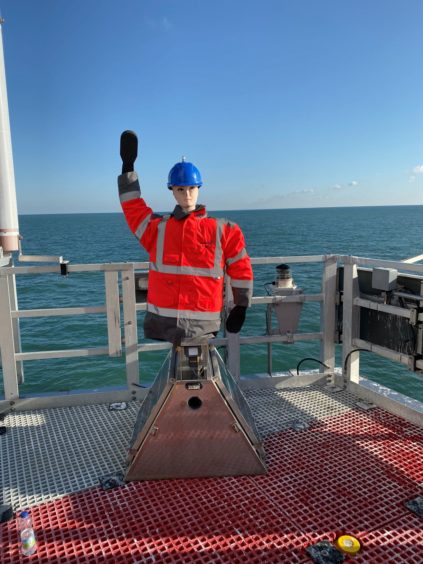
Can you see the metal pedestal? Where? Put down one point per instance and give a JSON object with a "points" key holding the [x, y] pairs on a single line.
{"points": [[195, 422]]}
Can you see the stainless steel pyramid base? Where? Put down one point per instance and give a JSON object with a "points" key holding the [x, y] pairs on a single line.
{"points": [[195, 422]]}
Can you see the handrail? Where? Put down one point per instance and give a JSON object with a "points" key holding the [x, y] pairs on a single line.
{"points": [[412, 260], [327, 298]]}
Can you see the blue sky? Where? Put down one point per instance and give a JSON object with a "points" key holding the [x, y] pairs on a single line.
{"points": [[280, 103]]}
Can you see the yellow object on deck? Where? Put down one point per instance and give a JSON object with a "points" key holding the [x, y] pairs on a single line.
{"points": [[348, 544]]}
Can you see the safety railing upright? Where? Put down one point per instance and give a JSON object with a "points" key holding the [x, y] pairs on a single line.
{"points": [[11, 354]]}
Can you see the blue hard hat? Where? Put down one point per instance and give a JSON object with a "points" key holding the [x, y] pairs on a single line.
{"points": [[184, 174]]}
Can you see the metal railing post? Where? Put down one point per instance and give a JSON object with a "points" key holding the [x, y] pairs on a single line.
{"points": [[351, 322], [111, 280], [130, 330], [7, 343], [327, 314], [13, 301]]}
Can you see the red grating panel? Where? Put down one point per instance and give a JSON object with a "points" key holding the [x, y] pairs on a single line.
{"points": [[396, 424], [216, 520], [399, 542], [332, 477], [391, 440]]}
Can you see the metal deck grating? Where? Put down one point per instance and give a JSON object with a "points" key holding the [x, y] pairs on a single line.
{"points": [[278, 409], [349, 472], [333, 480], [179, 521], [53, 452], [395, 542], [49, 453]]}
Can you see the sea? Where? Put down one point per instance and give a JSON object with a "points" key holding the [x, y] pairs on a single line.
{"points": [[393, 232]]}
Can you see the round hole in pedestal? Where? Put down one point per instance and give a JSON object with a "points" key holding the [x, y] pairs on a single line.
{"points": [[195, 402]]}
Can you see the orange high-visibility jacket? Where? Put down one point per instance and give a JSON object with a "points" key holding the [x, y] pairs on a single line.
{"points": [[189, 255]]}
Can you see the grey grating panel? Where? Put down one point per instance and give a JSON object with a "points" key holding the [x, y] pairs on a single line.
{"points": [[48, 453], [278, 409]]}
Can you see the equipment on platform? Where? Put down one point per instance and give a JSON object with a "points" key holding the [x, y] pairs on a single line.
{"points": [[184, 174], [384, 279], [287, 312], [390, 312], [194, 422]]}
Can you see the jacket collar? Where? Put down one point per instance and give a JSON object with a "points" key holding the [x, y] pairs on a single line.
{"points": [[179, 213]]}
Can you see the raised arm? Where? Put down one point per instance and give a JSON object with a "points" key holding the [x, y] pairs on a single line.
{"points": [[137, 214]]}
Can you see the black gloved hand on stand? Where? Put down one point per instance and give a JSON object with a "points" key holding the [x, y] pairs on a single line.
{"points": [[128, 150], [236, 319]]}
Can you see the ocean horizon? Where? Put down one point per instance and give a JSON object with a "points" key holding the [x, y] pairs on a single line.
{"points": [[237, 210]]}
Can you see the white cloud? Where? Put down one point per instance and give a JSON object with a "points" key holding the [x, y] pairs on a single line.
{"points": [[412, 178], [305, 191], [418, 169], [351, 184], [280, 199]]}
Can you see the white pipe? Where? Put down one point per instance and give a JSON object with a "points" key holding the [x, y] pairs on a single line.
{"points": [[9, 226]]}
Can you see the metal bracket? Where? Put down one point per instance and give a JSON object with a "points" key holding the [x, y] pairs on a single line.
{"points": [[412, 361], [414, 314], [64, 267]]}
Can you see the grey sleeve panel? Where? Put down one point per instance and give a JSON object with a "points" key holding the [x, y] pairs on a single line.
{"points": [[239, 256], [128, 182], [242, 296], [125, 197]]}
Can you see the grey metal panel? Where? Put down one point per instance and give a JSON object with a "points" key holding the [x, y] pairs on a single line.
{"points": [[231, 391], [151, 404]]}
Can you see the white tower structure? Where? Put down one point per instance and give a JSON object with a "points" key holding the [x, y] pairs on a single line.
{"points": [[9, 226]]}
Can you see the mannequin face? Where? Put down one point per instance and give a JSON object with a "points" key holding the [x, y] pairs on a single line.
{"points": [[186, 196]]}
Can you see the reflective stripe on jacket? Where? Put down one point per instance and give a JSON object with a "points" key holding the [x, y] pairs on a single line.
{"points": [[189, 254]]}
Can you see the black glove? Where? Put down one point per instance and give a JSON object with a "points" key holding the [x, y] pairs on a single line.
{"points": [[128, 150], [236, 319]]}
